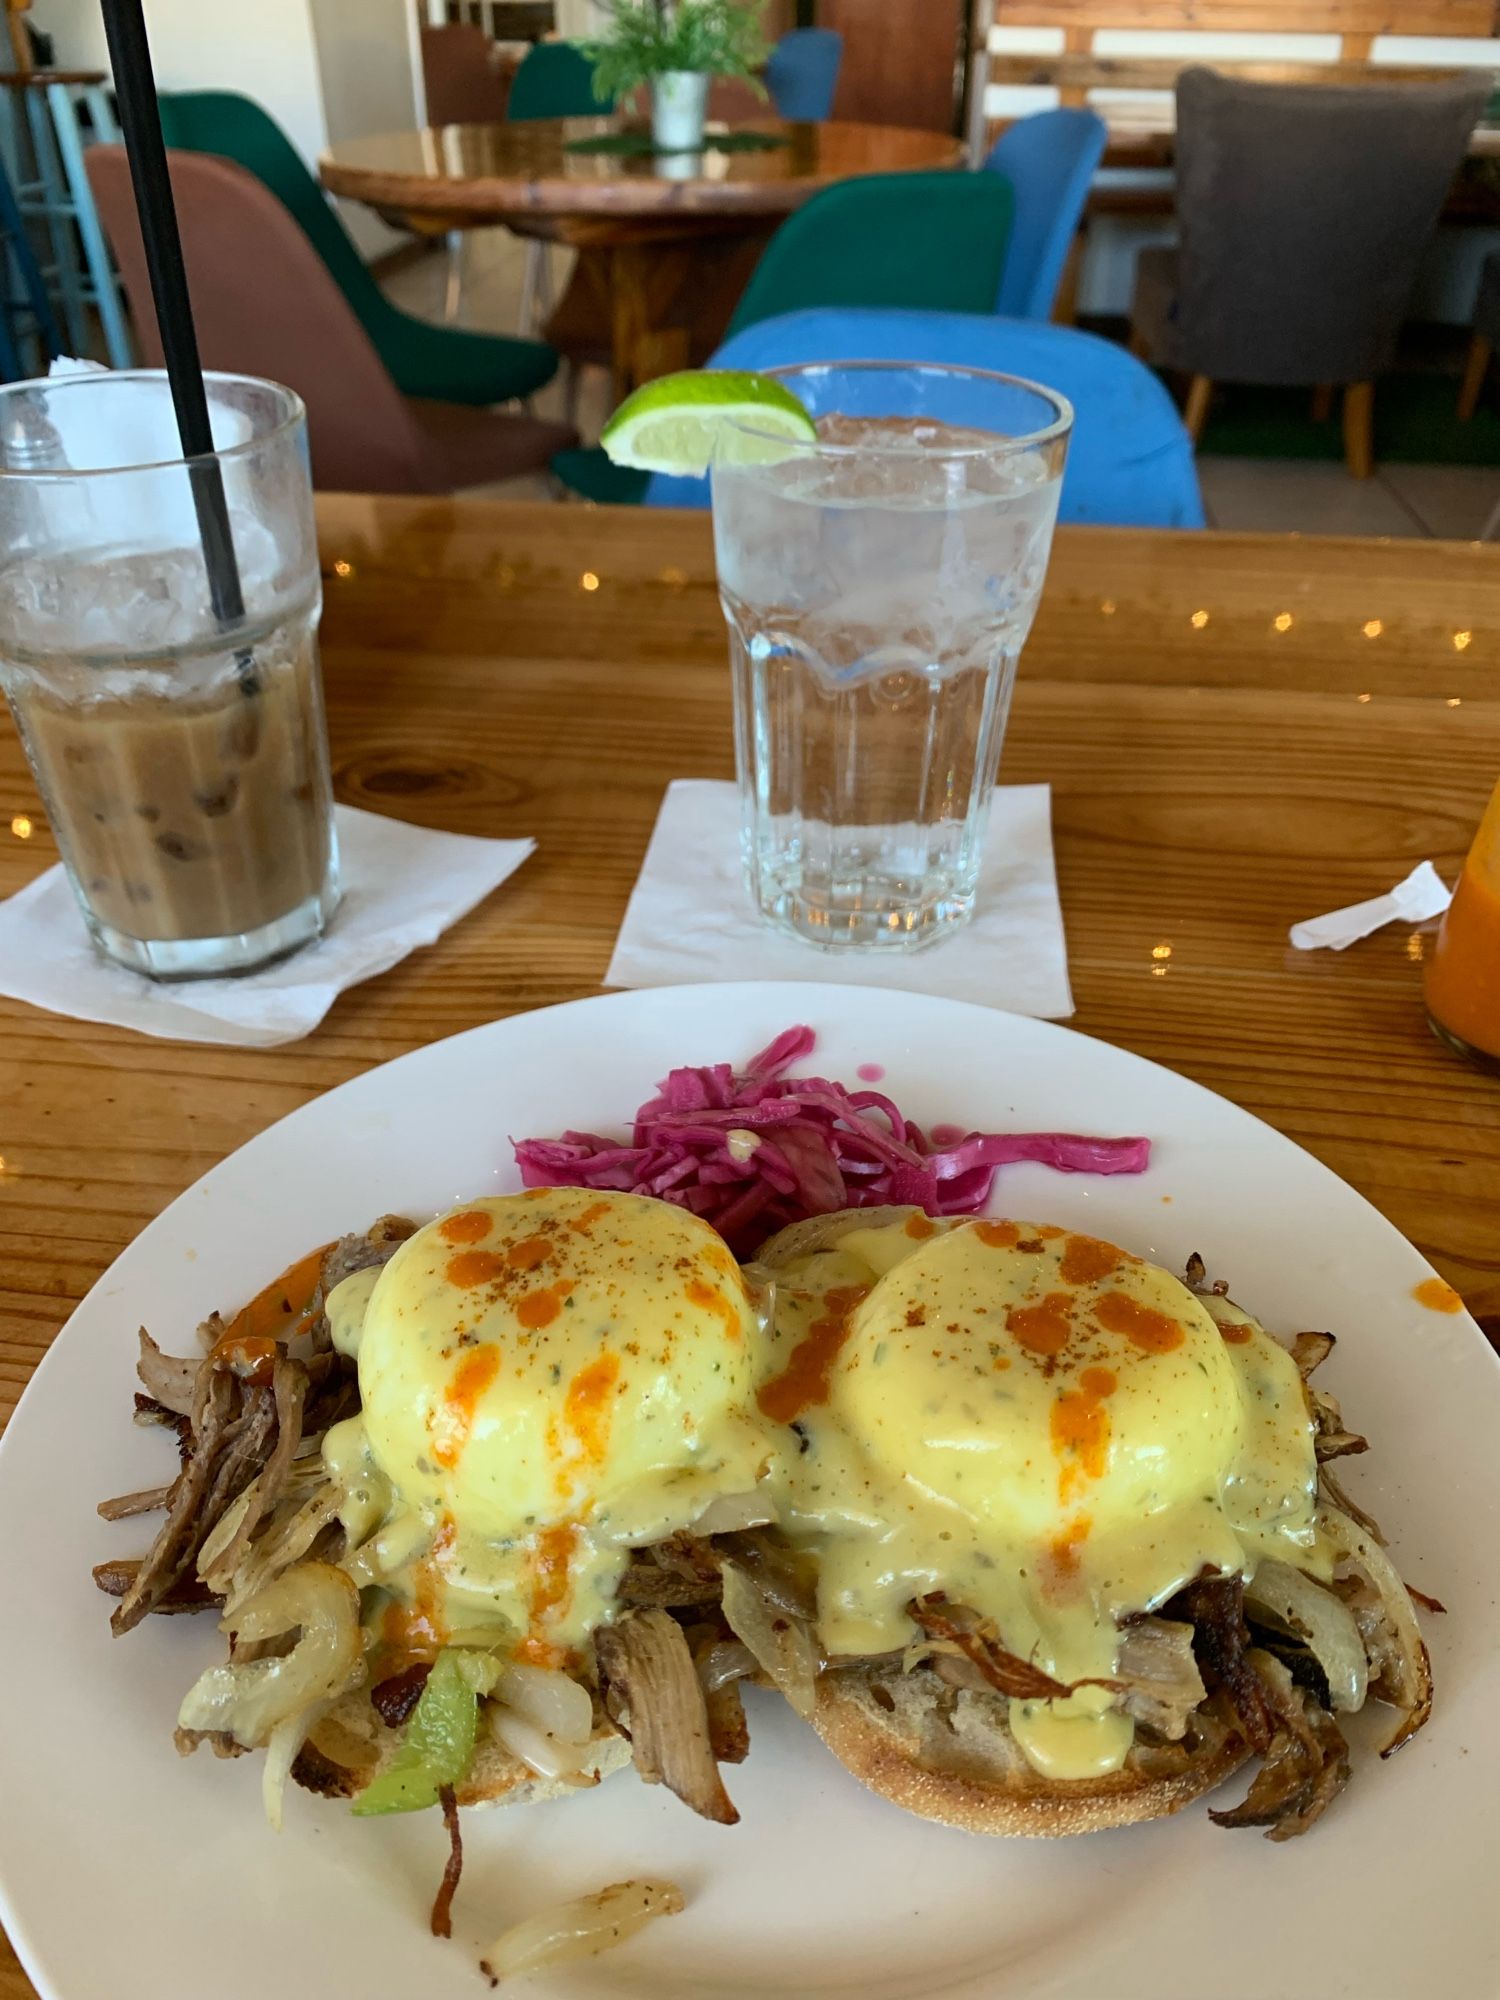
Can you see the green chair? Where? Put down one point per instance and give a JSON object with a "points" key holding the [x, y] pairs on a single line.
{"points": [[555, 80], [442, 363], [935, 242]]}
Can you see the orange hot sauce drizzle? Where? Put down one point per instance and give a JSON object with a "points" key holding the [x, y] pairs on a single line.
{"points": [[805, 1380], [998, 1235], [472, 1225], [419, 1631], [1086, 1260], [1044, 1328], [1438, 1296], [1063, 1554], [587, 1406], [539, 1309], [278, 1312], [551, 1587], [473, 1267], [471, 1378], [1144, 1327], [528, 1253], [708, 1298], [1081, 1429]]}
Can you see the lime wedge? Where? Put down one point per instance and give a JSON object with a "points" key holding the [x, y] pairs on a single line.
{"points": [[684, 423]]}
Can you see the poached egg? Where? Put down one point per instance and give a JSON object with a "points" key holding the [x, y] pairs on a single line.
{"points": [[1043, 1427], [547, 1380]]}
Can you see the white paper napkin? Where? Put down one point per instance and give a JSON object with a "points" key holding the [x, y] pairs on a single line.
{"points": [[1422, 895], [690, 916], [403, 887]]}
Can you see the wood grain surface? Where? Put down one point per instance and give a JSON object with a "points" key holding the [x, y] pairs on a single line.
{"points": [[1239, 730], [491, 173]]}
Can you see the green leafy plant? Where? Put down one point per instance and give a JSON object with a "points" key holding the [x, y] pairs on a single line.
{"points": [[649, 38]]}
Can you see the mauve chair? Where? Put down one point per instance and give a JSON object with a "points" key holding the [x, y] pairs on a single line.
{"points": [[265, 304], [461, 76], [1303, 212]]}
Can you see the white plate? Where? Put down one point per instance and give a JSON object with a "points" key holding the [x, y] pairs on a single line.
{"points": [[131, 1875]]}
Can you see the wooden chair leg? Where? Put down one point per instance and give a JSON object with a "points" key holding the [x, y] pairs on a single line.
{"points": [[1481, 353], [1359, 428], [1138, 344], [1322, 403], [1195, 410]]}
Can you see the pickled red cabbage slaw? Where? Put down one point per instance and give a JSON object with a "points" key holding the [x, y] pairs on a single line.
{"points": [[755, 1149]]}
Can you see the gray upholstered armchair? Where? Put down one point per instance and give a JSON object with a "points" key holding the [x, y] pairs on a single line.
{"points": [[1303, 212]]}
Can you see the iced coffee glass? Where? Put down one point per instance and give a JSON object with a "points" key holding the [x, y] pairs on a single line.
{"points": [[174, 726]]}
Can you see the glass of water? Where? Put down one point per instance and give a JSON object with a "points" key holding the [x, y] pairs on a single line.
{"points": [[179, 746], [879, 584]]}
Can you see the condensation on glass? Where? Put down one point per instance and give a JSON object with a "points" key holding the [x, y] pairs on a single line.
{"points": [[878, 586], [182, 757]]}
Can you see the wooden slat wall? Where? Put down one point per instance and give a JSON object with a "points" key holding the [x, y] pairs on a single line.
{"points": [[1076, 76], [1463, 18]]}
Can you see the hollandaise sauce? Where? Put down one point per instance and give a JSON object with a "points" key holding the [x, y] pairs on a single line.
{"points": [[547, 1380], [1038, 1425]]}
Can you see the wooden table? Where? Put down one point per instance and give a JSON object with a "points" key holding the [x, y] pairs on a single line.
{"points": [[1239, 730], [665, 230]]}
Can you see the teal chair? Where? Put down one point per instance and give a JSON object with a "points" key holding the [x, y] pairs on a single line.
{"points": [[931, 241], [555, 80], [934, 242], [442, 363]]}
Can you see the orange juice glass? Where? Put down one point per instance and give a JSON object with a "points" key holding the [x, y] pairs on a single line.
{"points": [[1463, 974]]}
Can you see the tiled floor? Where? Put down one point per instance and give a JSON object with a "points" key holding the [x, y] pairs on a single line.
{"points": [[1309, 497]]}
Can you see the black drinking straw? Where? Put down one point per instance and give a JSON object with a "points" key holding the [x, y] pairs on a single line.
{"points": [[140, 122]]}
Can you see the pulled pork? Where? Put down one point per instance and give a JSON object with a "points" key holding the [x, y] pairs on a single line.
{"points": [[1305, 1760], [653, 1695], [241, 1420], [1305, 1763]]}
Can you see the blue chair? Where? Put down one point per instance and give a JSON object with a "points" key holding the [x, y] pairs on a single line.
{"points": [[802, 73], [1049, 160], [1130, 462]]}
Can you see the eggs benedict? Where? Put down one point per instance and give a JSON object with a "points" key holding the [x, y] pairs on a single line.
{"points": [[547, 1381], [1044, 1482]]}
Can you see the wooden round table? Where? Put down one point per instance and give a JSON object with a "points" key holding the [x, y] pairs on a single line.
{"points": [[668, 238]]}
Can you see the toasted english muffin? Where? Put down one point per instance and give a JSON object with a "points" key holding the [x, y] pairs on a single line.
{"points": [[948, 1754]]}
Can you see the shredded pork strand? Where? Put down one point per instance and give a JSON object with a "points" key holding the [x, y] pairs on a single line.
{"points": [[654, 1695], [1004, 1672], [1158, 1675], [150, 1500], [1306, 1760]]}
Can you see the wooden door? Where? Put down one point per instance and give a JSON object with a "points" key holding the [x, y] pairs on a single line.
{"points": [[901, 58]]}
